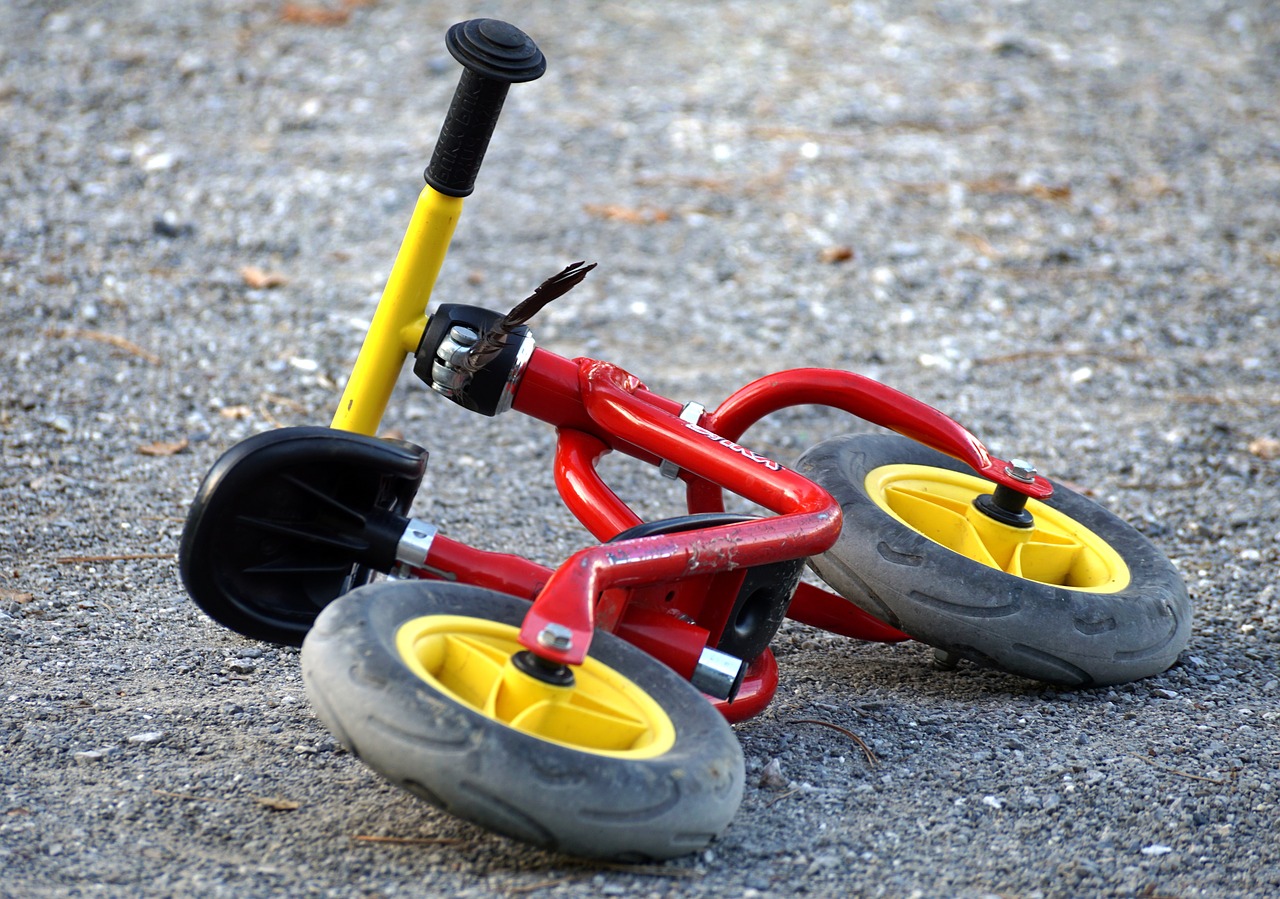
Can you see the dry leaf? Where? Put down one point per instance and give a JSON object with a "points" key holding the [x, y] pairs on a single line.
{"points": [[297, 14], [162, 448], [1153, 186], [1057, 192], [258, 279], [832, 255], [16, 596], [408, 841], [187, 796], [641, 215], [114, 557], [116, 341], [979, 243], [276, 804], [1265, 448], [1005, 185]]}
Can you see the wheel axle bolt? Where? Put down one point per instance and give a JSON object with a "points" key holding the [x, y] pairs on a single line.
{"points": [[1021, 470], [556, 636]]}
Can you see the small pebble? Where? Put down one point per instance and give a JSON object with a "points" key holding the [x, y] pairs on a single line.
{"points": [[771, 777]]}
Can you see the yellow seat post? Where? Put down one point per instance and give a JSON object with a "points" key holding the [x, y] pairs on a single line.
{"points": [[400, 318]]}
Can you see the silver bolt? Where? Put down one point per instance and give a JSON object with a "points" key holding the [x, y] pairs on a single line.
{"points": [[463, 336], [1021, 470], [556, 636]]}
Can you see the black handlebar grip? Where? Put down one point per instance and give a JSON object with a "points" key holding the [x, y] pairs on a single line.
{"points": [[495, 56]]}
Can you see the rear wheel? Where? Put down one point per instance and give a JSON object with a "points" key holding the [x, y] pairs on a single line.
{"points": [[1079, 598], [427, 683]]}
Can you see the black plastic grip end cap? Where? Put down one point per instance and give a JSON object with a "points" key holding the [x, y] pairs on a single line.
{"points": [[494, 55], [496, 50]]}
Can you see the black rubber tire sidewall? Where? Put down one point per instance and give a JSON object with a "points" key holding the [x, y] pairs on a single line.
{"points": [[942, 598], [542, 793]]}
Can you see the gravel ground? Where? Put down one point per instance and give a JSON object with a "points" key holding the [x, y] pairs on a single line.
{"points": [[1058, 222]]}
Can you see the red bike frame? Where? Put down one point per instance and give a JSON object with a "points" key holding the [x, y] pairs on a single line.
{"points": [[666, 593]]}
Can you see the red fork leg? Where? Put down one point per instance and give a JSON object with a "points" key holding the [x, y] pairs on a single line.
{"points": [[858, 395]]}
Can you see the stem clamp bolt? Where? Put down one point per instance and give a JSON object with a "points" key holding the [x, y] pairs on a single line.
{"points": [[556, 636], [463, 336]]}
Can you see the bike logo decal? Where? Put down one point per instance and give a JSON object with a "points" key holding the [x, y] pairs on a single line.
{"points": [[733, 447]]}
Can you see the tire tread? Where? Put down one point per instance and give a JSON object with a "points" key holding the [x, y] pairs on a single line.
{"points": [[543, 793], [961, 606]]}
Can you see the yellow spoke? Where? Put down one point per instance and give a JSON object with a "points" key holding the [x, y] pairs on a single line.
{"points": [[1049, 563], [468, 663], [566, 721], [938, 518]]}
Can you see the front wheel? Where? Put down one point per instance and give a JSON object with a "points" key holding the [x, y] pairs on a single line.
{"points": [[425, 682], [1079, 598]]}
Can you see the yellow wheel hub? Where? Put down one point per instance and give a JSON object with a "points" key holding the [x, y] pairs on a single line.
{"points": [[470, 660], [938, 503]]}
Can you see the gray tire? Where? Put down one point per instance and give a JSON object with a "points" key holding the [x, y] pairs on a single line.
{"points": [[453, 755], [1038, 630]]}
